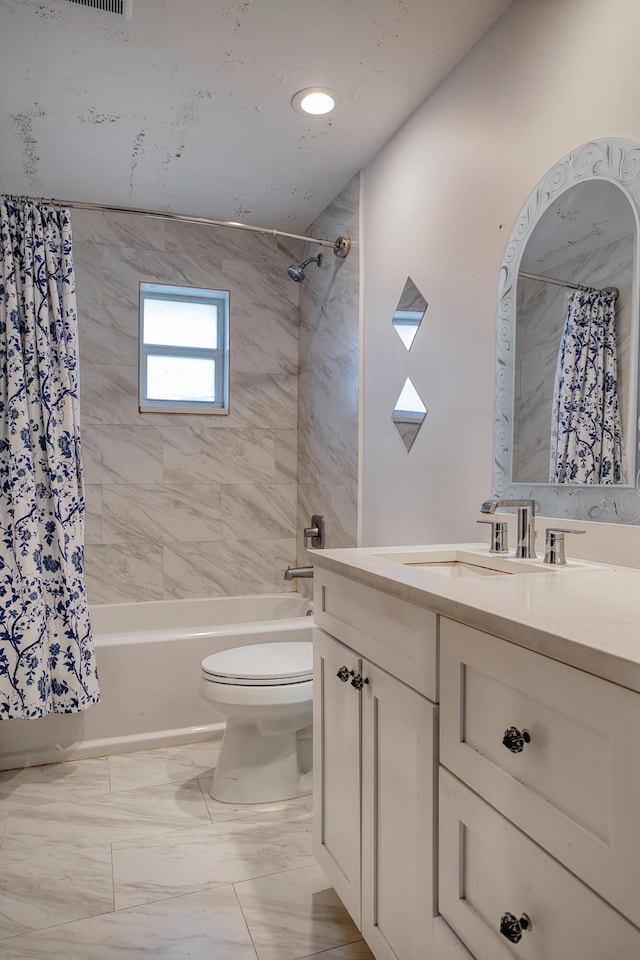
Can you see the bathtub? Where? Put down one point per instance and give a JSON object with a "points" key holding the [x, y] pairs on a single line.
{"points": [[149, 657]]}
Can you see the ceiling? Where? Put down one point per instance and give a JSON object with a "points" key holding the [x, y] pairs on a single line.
{"points": [[186, 107]]}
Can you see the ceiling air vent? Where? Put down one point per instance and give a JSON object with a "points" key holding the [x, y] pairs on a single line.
{"points": [[122, 8]]}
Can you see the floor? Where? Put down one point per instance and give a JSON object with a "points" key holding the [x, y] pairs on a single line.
{"points": [[128, 856]]}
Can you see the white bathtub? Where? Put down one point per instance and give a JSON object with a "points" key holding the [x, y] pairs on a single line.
{"points": [[149, 657]]}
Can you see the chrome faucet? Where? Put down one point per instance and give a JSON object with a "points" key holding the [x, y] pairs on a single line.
{"points": [[526, 523]]}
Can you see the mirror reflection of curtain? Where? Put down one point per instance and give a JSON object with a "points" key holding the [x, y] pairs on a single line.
{"points": [[47, 660], [586, 435]]}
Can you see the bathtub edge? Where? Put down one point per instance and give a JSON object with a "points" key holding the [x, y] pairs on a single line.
{"points": [[131, 743]]}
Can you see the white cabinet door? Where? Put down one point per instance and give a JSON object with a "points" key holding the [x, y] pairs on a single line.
{"points": [[398, 745], [490, 869], [336, 761]]}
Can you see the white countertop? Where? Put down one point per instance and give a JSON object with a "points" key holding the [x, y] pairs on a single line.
{"points": [[584, 614]]}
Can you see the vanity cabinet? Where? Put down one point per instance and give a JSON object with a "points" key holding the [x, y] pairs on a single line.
{"points": [[532, 849], [539, 799], [374, 756]]}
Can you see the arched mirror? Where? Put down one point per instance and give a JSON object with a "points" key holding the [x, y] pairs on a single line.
{"points": [[574, 244]]}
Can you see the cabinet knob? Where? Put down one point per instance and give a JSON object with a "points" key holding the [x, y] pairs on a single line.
{"points": [[343, 674], [515, 739], [358, 681], [512, 928]]}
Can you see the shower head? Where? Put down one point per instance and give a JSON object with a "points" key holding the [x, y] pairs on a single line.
{"points": [[297, 273]]}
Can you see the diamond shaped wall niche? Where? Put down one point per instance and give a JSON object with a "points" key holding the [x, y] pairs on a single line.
{"points": [[408, 414], [409, 313]]}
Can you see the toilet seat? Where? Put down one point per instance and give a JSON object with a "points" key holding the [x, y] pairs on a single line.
{"points": [[261, 664]]}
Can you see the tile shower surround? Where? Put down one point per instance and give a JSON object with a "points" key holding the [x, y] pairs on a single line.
{"points": [[129, 856], [182, 505], [328, 383]]}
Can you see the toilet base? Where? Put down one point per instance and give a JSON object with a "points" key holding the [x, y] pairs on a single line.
{"points": [[253, 768]]}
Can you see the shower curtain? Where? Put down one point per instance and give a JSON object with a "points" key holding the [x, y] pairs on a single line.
{"points": [[47, 662], [586, 436]]}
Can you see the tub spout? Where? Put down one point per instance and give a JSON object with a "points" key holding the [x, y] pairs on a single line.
{"points": [[292, 572]]}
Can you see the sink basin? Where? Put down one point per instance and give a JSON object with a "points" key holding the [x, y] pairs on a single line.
{"points": [[458, 568], [455, 563]]}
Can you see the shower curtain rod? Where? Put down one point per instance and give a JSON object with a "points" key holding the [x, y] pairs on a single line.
{"points": [[567, 283], [340, 246]]}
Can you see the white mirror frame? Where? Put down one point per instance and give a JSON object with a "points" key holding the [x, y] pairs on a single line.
{"points": [[617, 161]]}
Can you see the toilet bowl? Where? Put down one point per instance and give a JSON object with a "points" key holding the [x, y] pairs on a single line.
{"points": [[265, 693]]}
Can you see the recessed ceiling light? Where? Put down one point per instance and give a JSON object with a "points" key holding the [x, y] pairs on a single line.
{"points": [[314, 100]]}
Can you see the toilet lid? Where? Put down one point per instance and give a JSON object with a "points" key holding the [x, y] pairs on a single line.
{"points": [[264, 664]]}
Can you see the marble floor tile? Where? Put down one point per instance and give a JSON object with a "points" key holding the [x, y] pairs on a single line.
{"points": [[220, 811], [72, 780], [38, 892], [157, 868], [64, 825], [295, 914], [208, 856], [351, 951], [130, 771], [200, 926], [16, 803]]}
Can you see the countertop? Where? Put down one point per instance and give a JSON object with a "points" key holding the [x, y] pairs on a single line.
{"points": [[585, 614]]}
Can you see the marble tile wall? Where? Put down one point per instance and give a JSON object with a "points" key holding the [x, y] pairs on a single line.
{"points": [[328, 382], [186, 505], [542, 310]]}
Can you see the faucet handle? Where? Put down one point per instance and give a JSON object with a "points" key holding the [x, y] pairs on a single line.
{"points": [[554, 545], [499, 535], [314, 535]]}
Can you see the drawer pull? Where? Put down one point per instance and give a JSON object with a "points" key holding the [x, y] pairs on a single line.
{"points": [[343, 674], [358, 682], [511, 928], [515, 739]]}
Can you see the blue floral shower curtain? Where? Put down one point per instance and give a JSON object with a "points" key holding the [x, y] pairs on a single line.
{"points": [[47, 662], [586, 436]]}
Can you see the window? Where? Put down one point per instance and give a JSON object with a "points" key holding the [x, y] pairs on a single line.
{"points": [[184, 349]]}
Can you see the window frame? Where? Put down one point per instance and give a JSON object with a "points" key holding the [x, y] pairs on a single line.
{"points": [[219, 354]]}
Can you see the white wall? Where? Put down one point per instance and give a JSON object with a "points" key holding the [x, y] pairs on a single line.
{"points": [[439, 203]]}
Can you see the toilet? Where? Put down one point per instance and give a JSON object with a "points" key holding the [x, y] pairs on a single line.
{"points": [[265, 692]]}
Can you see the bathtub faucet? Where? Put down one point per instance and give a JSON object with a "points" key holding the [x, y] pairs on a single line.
{"points": [[292, 572]]}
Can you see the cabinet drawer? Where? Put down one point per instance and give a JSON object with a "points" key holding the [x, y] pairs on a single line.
{"points": [[398, 636], [575, 787], [488, 868], [445, 944]]}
